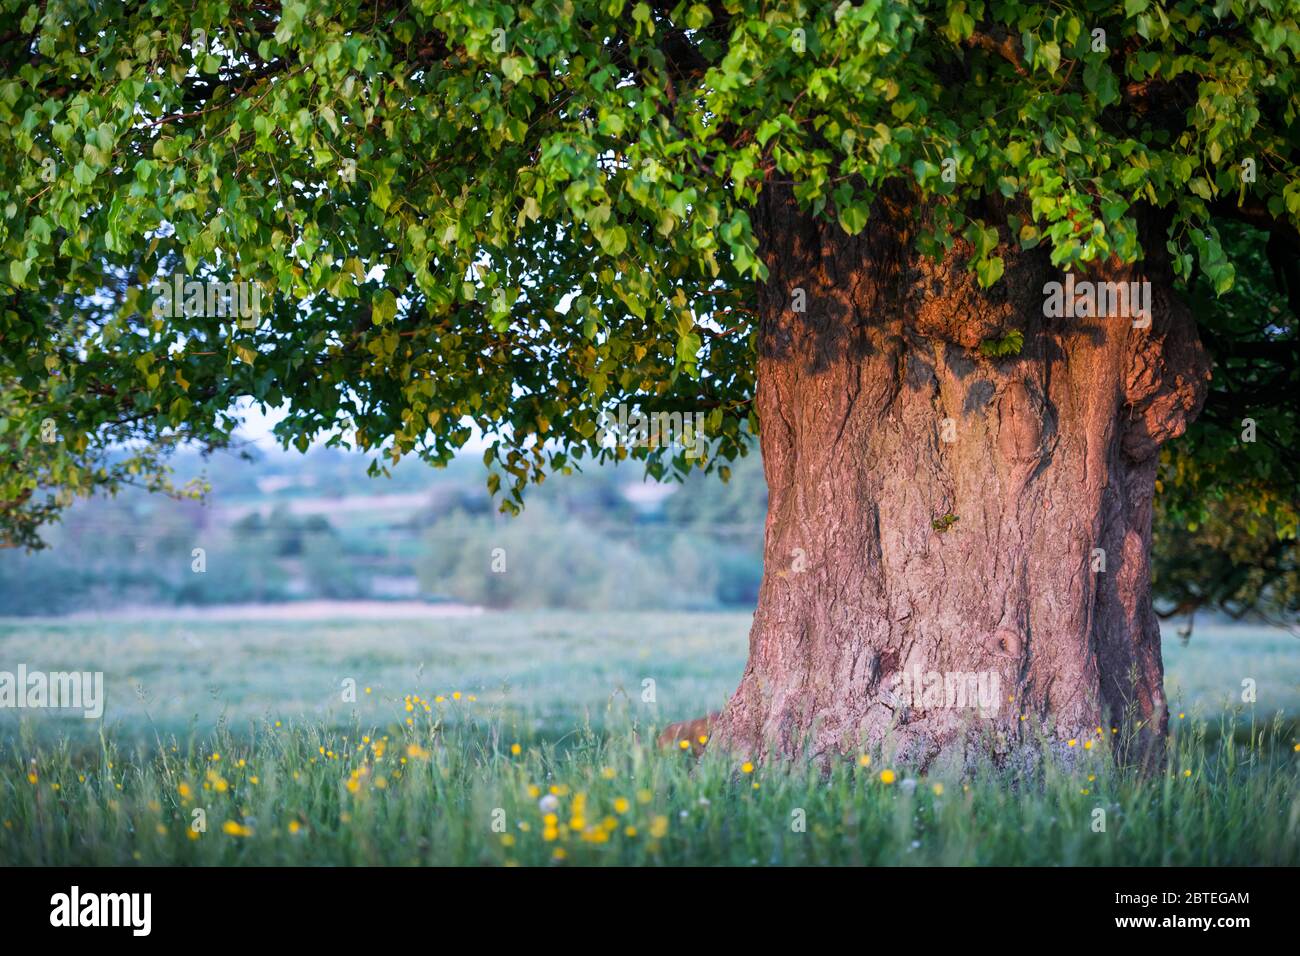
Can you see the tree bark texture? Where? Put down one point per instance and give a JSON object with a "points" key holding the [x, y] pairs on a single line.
{"points": [[937, 511]]}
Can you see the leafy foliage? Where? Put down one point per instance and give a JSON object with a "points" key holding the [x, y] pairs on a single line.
{"points": [[1229, 501], [945, 522], [517, 216], [1009, 344]]}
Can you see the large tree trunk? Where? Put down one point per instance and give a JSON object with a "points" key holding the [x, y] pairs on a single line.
{"points": [[934, 512]]}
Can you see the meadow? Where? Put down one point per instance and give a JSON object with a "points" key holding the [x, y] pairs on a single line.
{"points": [[527, 739]]}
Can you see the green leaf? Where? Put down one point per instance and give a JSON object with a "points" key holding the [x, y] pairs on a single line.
{"points": [[613, 241], [513, 68], [384, 307], [853, 217], [989, 271], [688, 347]]}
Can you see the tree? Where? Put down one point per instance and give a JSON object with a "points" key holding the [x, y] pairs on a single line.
{"points": [[1225, 528], [839, 221]]}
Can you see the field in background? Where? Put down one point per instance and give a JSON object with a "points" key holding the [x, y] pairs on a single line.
{"points": [[547, 671]]}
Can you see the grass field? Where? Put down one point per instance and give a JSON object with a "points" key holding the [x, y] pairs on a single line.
{"points": [[523, 739]]}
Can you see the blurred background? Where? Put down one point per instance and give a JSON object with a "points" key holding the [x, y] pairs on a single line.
{"points": [[284, 527]]}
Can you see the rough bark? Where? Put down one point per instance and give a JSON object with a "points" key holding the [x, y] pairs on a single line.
{"points": [[890, 550]]}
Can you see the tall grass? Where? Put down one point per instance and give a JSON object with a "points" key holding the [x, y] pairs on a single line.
{"points": [[444, 786]]}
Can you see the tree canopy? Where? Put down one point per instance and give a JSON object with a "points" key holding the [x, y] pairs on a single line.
{"points": [[515, 216]]}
